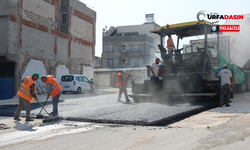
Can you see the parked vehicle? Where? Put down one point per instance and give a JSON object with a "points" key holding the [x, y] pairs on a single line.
{"points": [[74, 83]]}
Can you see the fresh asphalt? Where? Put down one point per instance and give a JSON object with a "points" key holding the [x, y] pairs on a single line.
{"points": [[105, 109]]}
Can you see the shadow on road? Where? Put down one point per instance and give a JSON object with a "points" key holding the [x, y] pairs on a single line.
{"points": [[26, 126], [9, 110]]}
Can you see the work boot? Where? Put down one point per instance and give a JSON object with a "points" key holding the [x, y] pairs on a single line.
{"points": [[221, 105], [55, 115], [17, 119], [51, 114], [30, 119], [228, 105], [128, 101]]}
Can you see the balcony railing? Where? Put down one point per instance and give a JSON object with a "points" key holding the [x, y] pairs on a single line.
{"points": [[134, 50]]}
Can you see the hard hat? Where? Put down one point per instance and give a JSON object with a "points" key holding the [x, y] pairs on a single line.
{"points": [[225, 65], [124, 70], [36, 75]]}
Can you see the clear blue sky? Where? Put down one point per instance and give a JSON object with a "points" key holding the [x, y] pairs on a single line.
{"points": [[132, 12]]}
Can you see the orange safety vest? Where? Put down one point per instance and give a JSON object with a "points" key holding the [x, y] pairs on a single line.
{"points": [[24, 90], [56, 87], [118, 80], [170, 45]]}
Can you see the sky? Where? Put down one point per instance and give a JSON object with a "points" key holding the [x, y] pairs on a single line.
{"points": [[132, 12]]}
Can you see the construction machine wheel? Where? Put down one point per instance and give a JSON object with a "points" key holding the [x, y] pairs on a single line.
{"points": [[136, 99], [247, 83], [241, 88]]}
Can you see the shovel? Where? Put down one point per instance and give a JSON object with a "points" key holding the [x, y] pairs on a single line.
{"points": [[39, 115]]}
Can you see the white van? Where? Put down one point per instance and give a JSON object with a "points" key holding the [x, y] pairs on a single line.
{"points": [[74, 83]]}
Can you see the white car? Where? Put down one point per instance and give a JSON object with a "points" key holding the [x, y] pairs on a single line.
{"points": [[74, 83]]}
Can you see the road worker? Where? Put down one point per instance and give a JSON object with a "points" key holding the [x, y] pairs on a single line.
{"points": [[121, 83], [53, 89], [27, 93]]}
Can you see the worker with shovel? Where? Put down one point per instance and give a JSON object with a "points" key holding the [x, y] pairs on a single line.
{"points": [[53, 89], [27, 93]]}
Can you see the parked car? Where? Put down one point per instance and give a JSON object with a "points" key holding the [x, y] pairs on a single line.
{"points": [[74, 83]]}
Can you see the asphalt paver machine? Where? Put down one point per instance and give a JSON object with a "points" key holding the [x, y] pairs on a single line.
{"points": [[186, 73]]}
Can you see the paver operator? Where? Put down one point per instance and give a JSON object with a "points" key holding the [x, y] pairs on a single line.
{"points": [[27, 93], [53, 89], [170, 45]]}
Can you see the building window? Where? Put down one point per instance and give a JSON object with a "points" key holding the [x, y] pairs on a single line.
{"points": [[110, 62], [141, 62], [141, 47], [131, 48], [131, 62], [110, 48], [64, 18], [123, 62], [123, 48]]}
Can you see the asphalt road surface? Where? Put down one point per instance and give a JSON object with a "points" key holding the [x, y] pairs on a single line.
{"points": [[220, 128], [104, 108]]}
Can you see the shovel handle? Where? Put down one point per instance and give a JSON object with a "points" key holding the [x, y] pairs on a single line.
{"points": [[43, 108]]}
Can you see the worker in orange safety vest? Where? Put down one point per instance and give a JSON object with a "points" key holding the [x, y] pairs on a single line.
{"points": [[53, 89], [121, 83], [170, 45], [27, 93]]}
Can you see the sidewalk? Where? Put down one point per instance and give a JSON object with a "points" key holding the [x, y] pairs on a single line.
{"points": [[217, 116]]}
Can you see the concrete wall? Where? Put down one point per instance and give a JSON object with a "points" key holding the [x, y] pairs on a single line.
{"points": [[142, 29], [33, 9], [62, 50], [101, 80], [4, 8], [37, 43], [78, 31], [61, 70], [12, 38], [108, 78], [32, 67], [83, 8], [31, 31], [3, 35], [88, 72], [81, 54]]}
